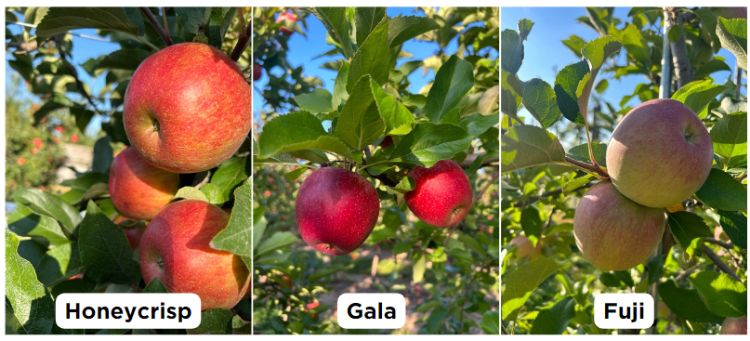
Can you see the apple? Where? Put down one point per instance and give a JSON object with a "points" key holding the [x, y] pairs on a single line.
{"points": [[176, 249], [659, 154], [138, 189], [524, 247], [442, 195], [257, 72], [187, 108], [336, 210], [613, 232], [287, 21], [734, 325]]}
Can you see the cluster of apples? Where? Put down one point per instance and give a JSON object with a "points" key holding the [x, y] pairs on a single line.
{"points": [[658, 156], [187, 109], [337, 209]]}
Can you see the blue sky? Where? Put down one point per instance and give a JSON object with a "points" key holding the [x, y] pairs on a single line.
{"points": [[545, 54]]}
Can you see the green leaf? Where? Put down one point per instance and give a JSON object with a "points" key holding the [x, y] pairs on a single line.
{"points": [[336, 23], [490, 323], [733, 36], [686, 227], [214, 321], [103, 155], [477, 124], [512, 51], [723, 192], [397, 118], [123, 59], [581, 152], [520, 283], [722, 295], [230, 174], [32, 306], [403, 28], [359, 123], [429, 143], [276, 241], [339, 88], [105, 252], [526, 146], [366, 19], [554, 320], [372, 58], [566, 85], [531, 221], [686, 303], [524, 28], [729, 135], [418, 268], [259, 226], [44, 203], [315, 102], [24, 222], [697, 95], [62, 19], [214, 194], [190, 192], [735, 226], [540, 100], [598, 50], [575, 44], [236, 237], [155, 286], [295, 132], [453, 80]]}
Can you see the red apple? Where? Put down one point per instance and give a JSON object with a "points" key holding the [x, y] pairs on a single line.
{"points": [[187, 108], [287, 21], [659, 154], [138, 189], [442, 195], [257, 72], [336, 210], [734, 325], [613, 232], [176, 249]]}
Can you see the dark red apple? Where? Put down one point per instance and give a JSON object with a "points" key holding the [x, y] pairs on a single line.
{"points": [[288, 21], [187, 108], [176, 249], [257, 72], [138, 189], [336, 210], [442, 195]]}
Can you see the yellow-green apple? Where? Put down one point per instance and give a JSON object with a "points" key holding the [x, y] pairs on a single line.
{"points": [[288, 22], [138, 189], [524, 247], [187, 108], [659, 154], [734, 325], [442, 195], [336, 210], [613, 232], [176, 249]]}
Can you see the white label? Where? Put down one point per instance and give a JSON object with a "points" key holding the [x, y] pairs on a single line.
{"points": [[371, 311], [128, 311], [623, 311]]}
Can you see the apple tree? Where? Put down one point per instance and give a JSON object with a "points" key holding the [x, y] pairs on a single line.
{"points": [[331, 175], [582, 216], [73, 238]]}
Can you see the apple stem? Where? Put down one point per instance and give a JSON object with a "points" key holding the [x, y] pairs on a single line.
{"points": [[588, 166], [159, 29], [243, 39]]}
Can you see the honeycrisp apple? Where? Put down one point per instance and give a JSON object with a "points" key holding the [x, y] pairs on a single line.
{"points": [[176, 249], [659, 154], [187, 108], [613, 232], [336, 210], [442, 195], [138, 189]]}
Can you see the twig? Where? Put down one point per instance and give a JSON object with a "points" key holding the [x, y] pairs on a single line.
{"points": [[587, 166], [155, 24], [242, 41], [715, 258], [738, 80], [723, 244], [165, 23]]}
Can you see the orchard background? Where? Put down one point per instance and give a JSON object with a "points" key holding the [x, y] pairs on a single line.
{"points": [[331, 90], [69, 68], [610, 61]]}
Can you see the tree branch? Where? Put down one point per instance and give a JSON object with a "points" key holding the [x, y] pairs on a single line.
{"points": [[155, 24], [682, 69], [165, 23], [723, 244], [242, 41], [719, 263]]}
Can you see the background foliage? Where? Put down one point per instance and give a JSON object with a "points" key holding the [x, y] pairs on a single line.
{"points": [[449, 276], [698, 276]]}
